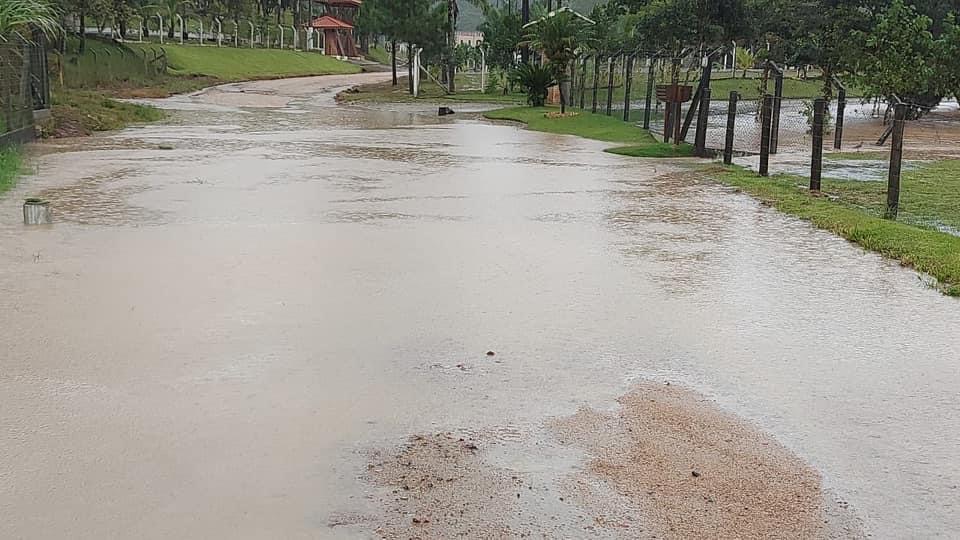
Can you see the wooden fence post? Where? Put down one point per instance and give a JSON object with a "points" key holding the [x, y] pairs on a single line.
{"points": [[896, 158], [816, 159], [766, 113], [731, 124]]}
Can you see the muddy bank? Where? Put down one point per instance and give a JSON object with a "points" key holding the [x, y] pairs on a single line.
{"points": [[667, 464]]}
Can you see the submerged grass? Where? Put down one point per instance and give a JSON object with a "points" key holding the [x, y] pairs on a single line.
{"points": [[638, 142], [10, 162], [925, 249]]}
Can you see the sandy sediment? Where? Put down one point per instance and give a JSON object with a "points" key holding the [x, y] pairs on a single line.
{"points": [[667, 464]]}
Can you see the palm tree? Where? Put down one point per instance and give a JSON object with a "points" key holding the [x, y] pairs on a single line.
{"points": [[21, 15], [557, 35]]}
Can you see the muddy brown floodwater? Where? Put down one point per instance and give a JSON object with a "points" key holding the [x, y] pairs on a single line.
{"points": [[278, 329]]}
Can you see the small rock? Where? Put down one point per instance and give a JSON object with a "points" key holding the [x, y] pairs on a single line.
{"points": [[491, 353], [695, 474], [420, 520]]}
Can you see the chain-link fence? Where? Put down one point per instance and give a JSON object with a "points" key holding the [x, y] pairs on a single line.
{"points": [[24, 86]]}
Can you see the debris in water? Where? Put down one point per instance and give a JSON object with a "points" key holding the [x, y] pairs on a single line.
{"points": [[695, 474], [165, 147], [491, 353]]}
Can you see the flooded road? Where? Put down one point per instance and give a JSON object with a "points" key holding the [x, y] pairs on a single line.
{"points": [[214, 340]]}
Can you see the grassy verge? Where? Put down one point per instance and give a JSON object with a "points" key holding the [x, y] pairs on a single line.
{"points": [[379, 55], [230, 64], [429, 91], [10, 163], [77, 113], [635, 141], [853, 210], [106, 69]]}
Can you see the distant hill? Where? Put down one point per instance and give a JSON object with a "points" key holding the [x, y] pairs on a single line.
{"points": [[470, 16]]}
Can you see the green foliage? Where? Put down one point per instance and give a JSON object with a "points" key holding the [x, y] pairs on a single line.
{"points": [[502, 33], [558, 35], [535, 81], [899, 57], [23, 15], [10, 163]]}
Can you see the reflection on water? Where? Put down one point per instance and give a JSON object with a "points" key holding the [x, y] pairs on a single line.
{"points": [[304, 272]]}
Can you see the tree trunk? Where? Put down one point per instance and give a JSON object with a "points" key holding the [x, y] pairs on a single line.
{"points": [[83, 32], [393, 59], [563, 99], [123, 28], [451, 43]]}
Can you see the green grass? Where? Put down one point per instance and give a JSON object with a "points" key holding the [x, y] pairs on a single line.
{"points": [[927, 250], [79, 112], [429, 91], [230, 64], [848, 156], [636, 142], [10, 163], [379, 55], [929, 196]]}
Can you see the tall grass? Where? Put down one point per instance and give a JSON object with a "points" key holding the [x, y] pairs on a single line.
{"points": [[10, 162]]}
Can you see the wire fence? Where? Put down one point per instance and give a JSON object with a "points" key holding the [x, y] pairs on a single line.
{"points": [[97, 64], [24, 86]]}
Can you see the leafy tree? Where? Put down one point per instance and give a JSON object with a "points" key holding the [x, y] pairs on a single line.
{"points": [[899, 58], [558, 35], [502, 32]]}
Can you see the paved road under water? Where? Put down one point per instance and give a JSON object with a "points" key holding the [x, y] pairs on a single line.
{"points": [[210, 337]]}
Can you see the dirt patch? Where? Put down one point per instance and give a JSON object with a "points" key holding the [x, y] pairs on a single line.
{"points": [[668, 464], [440, 487], [696, 471]]}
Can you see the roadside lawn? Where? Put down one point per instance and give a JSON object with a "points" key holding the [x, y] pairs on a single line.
{"points": [[635, 141], [930, 201], [10, 163], [230, 64]]}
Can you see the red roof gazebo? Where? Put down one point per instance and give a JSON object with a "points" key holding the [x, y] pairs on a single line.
{"points": [[336, 26]]}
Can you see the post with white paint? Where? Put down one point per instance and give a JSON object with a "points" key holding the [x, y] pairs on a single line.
{"points": [[219, 32], [733, 60], [37, 212], [251, 33], [483, 71], [296, 37], [201, 32], [160, 18], [416, 72], [179, 18], [281, 36]]}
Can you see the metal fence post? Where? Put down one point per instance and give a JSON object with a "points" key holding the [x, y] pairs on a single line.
{"points": [[816, 157], [596, 81], [613, 64], [627, 87], [766, 114], [700, 137], [896, 157], [731, 124], [841, 106], [649, 99]]}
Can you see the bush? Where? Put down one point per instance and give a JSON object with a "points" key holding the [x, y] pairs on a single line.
{"points": [[535, 81]]}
